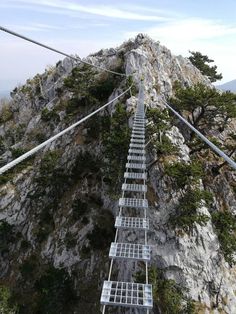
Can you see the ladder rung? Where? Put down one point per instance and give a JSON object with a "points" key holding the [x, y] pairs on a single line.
{"points": [[137, 158], [142, 136], [133, 202], [137, 140], [132, 145], [134, 187], [135, 175], [134, 251], [132, 223], [131, 165], [138, 127], [127, 294], [139, 123], [138, 132], [136, 151], [140, 120]]}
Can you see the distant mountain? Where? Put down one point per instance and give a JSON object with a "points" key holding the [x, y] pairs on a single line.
{"points": [[228, 86]]}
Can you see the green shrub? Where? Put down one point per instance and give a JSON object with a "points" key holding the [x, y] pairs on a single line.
{"points": [[4, 178], [88, 87], [168, 296], [130, 82], [6, 306], [10, 174], [186, 213], [165, 147], [7, 236], [115, 140], [49, 115], [85, 164], [6, 113], [103, 232], [225, 224], [55, 292], [17, 152], [184, 173], [49, 161], [159, 119], [28, 267], [79, 209]]}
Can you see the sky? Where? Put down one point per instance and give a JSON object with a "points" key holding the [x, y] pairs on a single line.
{"points": [[83, 27]]}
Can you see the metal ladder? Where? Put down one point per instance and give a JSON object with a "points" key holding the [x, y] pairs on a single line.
{"points": [[130, 294]]}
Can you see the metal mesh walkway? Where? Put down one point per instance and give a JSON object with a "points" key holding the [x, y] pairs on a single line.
{"points": [[132, 223], [134, 251], [134, 189], [127, 294]]}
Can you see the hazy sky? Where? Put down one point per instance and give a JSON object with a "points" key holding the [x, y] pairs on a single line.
{"points": [[86, 26]]}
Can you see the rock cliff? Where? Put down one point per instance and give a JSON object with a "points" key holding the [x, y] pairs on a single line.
{"points": [[57, 209]]}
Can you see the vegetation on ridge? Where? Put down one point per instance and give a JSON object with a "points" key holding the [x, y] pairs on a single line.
{"points": [[206, 106], [168, 296], [202, 63]]}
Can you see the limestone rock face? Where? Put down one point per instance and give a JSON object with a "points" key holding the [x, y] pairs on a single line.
{"points": [[193, 260]]}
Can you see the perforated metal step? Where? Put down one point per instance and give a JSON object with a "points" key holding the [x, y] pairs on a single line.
{"points": [[136, 151], [134, 175], [132, 251], [139, 120], [131, 165], [134, 187], [137, 140], [132, 223], [138, 132], [133, 202], [132, 145], [138, 128], [137, 158], [142, 136], [127, 294]]}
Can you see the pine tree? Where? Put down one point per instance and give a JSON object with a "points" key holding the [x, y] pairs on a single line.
{"points": [[201, 62]]}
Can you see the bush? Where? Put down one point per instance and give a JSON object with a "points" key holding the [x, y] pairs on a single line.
{"points": [[49, 161], [55, 292], [7, 236], [168, 296], [85, 164], [49, 115], [186, 212], [6, 113], [115, 139], [6, 306], [165, 147], [184, 173], [103, 232], [225, 224], [129, 82], [17, 152], [88, 87], [28, 267], [159, 118], [9, 175], [79, 209]]}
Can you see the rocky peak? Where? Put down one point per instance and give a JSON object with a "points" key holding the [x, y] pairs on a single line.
{"points": [[58, 208]]}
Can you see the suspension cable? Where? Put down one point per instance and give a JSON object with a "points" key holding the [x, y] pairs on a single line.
{"points": [[58, 51], [53, 138], [208, 142]]}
